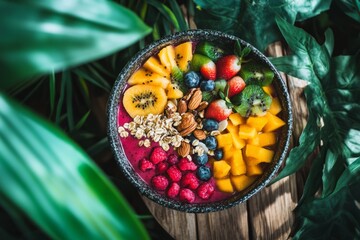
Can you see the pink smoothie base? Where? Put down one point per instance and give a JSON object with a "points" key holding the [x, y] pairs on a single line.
{"points": [[134, 153]]}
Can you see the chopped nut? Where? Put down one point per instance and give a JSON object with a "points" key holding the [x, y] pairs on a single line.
{"points": [[187, 120], [199, 134], [202, 106], [189, 129], [195, 100], [182, 106], [184, 149]]}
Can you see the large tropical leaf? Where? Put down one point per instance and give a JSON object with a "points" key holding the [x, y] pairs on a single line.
{"points": [[40, 36], [49, 178]]}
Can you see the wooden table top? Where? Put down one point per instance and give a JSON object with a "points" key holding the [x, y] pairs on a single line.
{"points": [[266, 215]]}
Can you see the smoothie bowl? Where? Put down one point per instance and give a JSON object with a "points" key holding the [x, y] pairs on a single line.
{"points": [[199, 121]]}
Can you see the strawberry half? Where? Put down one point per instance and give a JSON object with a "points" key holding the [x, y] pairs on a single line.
{"points": [[236, 85], [205, 65], [218, 110], [228, 66]]}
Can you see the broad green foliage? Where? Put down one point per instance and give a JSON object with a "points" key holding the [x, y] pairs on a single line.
{"points": [[47, 176], [254, 21], [50, 35]]}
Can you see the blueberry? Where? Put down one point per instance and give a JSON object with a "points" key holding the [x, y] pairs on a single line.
{"points": [[191, 79], [210, 142], [203, 173], [201, 159], [207, 85], [218, 154], [210, 125]]}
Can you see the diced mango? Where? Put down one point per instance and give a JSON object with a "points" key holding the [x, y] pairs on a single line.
{"points": [[254, 141], [273, 124], [269, 90], [224, 185], [266, 139], [224, 139], [257, 122], [254, 170], [275, 106], [221, 169], [242, 182], [237, 163], [228, 151], [237, 142], [246, 131], [232, 128], [252, 161], [262, 154], [236, 119]]}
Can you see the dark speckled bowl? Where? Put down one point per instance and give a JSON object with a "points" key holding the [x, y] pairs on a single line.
{"points": [[115, 99]]}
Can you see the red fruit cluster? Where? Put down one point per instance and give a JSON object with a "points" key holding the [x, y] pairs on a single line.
{"points": [[176, 177]]}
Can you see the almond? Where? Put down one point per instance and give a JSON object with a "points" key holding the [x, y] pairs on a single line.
{"points": [[188, 130], [184, 149], [199, 134], [189, 95], [195, 100], [186, 120], [202, 106], [182, 106]]}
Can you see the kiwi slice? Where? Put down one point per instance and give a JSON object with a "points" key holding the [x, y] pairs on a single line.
{"points": [[256, 73], [210, 50], [253, 101]]}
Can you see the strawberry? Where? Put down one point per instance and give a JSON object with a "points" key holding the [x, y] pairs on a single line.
{"points": [[236, 85], [218, 110], [205, 65], [228, 66]]}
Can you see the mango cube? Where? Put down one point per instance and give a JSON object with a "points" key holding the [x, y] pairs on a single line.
{"points": [[275, 106], [266, 139], [228, 151], [236, 119], [242, 182], [237, 163], [269, 90], [224, 185], [246, 131], [254, 170], [262, 154], [221, 169], [273, 124], [257, 122], [238, 143], [224, 139]]}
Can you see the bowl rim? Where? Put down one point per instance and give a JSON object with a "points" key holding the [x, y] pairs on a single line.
{"points": [[115, 143]]}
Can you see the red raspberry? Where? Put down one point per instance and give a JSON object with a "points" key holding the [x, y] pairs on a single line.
{"points": [[158, 155], [161, 167], [160, 182], [145, 165], [173, 190], [190, 181], [205, 190], [186, 195], [174, 173], [185, 165], [173, 159]]}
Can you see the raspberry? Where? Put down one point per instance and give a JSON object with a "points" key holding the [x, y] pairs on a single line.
{"points": [[185, 165], [174, 173], [160, 182], [190, 181], [186, 195], [158, 155], [173, 190], [145, 165], [173, 159], [161, 167], [205, 190]]}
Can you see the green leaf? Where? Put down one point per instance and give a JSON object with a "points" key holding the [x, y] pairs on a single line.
{"points": [[350, 8], [50, 179], [165, 11], [42, 36]]}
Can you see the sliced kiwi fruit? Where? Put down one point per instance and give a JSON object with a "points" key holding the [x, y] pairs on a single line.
{"points": [[253, 101], [256, 73], [144, 99], [210, 50]]}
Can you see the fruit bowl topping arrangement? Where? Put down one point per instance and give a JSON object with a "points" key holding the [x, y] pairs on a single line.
{"points": [[199, 121]]}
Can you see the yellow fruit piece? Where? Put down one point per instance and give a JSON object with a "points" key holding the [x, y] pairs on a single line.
{"points": [[236, 119], [224, 139], [246, 131], [257, 122], [173, 91], [167, 57], [262, 154], [144, 99], [237, 163], [273, 124], [242, 182], [146, 77], [266, 139], [224, 185], [254, 141], [152, 64], [228, 151], [252, 161], [221, 169], [275, 106], [254, 170], [184, 55], [237, 142], [269, 90]]}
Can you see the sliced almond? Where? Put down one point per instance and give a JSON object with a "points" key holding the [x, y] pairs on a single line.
{"points": [[195, 100]]}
